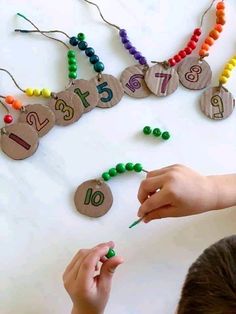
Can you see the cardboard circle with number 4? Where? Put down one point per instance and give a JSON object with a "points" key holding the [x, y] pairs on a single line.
{"points": [[40, 117], [133, 82], [161, 81], [217, 103], [109, 89], [66, 107], [20, 141], [93, 198], [194, 74], [86, 92]]}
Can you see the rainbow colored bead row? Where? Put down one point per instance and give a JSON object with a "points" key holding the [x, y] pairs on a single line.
{"points": [[121, 168]]}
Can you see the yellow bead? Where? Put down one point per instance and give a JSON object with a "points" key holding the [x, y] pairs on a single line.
{"points": [[226, 73], [46, 92], [29, 91], [223, 79], [37, 92], [233, 62], [229, 67]]}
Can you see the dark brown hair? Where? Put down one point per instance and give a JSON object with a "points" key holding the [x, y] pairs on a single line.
{"points": [[210, 285]]}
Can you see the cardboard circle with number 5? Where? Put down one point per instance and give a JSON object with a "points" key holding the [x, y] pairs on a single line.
{"points": [[20, 141], [217, 103], [86, 92], [66, 107], [161, 81], [194, 74], [133, 82], [40, 117], [93, 198], [109, 89]]}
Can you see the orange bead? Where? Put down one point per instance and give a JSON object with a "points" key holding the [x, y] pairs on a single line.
{"points": [[214, 34], [219, 28], [9, 100], [205, 47], [220, 5], [220, 20], [17, 104], [220, 13], [209, 41], [202, 53]]}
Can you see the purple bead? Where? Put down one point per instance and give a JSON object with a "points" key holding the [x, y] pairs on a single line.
{"points": [[132, 50], [123, 33], [128, 45], [142, 61], [137, 55], [124, 40]]}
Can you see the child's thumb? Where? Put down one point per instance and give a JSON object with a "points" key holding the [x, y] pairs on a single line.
{"points": [[107, 271]]}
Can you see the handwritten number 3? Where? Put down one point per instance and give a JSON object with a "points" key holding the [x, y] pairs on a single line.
{"points": [[166, 79], [63, 107]]}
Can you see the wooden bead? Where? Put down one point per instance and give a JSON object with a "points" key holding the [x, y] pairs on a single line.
{"points": [[219, 28], [29, 92], [220, 20], [17, 104], [233, 62], [223, 79], [205, 47], [209, 41], [226, 73], [214, 34], [192, 44], [229, 67], [220, 13], [9, 100], [220, 5], [202, 53], [195, 38]]}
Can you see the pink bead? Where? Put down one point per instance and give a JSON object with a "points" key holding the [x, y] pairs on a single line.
{"points": [[172, 62], [8, 118]]}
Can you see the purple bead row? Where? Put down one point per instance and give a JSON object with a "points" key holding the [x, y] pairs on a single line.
{"points": [[132, 50]]}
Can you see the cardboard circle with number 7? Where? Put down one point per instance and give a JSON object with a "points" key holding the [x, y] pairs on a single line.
{"points": [[109, 89], [93, 198], [162, 81]]}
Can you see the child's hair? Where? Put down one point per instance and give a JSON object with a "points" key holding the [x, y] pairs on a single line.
{"points": [[210, 285]]}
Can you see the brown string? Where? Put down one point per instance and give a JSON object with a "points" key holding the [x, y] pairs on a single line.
{"points": [[13, 79], [208, 9], [44, 32]]}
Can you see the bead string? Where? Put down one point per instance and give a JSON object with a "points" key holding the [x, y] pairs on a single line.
{"points": [[226, 73], [147, 130], [122, 168]]}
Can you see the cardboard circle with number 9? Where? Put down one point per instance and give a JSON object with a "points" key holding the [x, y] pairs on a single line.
{"points": [[217, 103], [109, 89], [66, 107], [93, 198], [161, 81]]}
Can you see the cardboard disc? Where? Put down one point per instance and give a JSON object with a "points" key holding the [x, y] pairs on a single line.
{"points": [[217, 103], [161, 81], [133, 82], [87, 93], [194, 74], [93, 198], [109, 89], [66, 107], [40, 117], [20, 141]]}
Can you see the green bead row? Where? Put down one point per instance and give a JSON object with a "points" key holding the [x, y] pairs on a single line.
{"points": [[121, 168], [72, 64], [147, 130]]}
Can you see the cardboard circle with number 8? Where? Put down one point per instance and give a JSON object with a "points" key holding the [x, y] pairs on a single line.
{"points": [[93, 198]]}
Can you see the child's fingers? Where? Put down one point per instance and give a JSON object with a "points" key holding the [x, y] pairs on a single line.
{"points": [[80, 253], [167, 211], [157, 200], [149, 186]]}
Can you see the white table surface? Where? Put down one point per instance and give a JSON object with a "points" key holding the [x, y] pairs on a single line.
{"points": [[39, 228]]}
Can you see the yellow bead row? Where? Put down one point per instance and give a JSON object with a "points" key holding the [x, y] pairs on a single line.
{"points": [[45, 92], [225, 75]]}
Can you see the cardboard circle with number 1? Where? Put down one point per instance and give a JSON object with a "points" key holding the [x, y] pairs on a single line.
{"points": [[93, 198], [162, 81]]}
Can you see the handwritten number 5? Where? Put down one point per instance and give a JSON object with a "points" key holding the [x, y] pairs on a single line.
{"points": [[103, 89]]}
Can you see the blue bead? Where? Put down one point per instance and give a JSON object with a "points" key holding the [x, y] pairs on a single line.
{"points": [[123, 33], [94, 59], [99, 67], [82, 45], [89, 52], [73, 41]]}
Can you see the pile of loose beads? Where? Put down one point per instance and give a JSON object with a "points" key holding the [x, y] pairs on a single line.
{"points": [[225, 75], [45, 92], [72, 64], [121, 168], [147, 130]]}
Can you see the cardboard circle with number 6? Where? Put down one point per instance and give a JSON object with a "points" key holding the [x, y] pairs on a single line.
{"points": [[20, 141], [161, 81], [93, 198], [133, 82], [109, 89], [217, 103], [66, 107], [86, 92], [40, 117], [194, 74]]}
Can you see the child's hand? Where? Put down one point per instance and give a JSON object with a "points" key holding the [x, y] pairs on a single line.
{"points": [[88, 290], [182, 192]]}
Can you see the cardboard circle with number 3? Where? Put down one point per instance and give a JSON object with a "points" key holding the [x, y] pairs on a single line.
{"points": [[66, 107], [161, 81], [109, 89], [20, 141], [93, 198], [217, 103]]}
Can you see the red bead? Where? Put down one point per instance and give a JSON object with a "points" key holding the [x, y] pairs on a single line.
{"points": [[195, 38], [172, 62], [177, 58], [182, 53], [188, 50], [8, 118], [197, 32], [192, 44]]}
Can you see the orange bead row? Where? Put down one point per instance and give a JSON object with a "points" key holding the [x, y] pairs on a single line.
{"points": [[16, 104], [215, 32]]}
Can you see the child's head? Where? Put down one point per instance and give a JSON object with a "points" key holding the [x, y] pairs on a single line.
{"points": [[210, 285]]}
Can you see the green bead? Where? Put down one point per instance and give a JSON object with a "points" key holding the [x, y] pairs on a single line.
{"points": [[111, 253], [147, 130], [72, 75], [120, 168], [156, 132], [99, 67], [138, 167], [165, 135], [72, 67], [81, 36], [129, 166], [112, 172], [71, 53], [72, 60], [106, 176]]}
